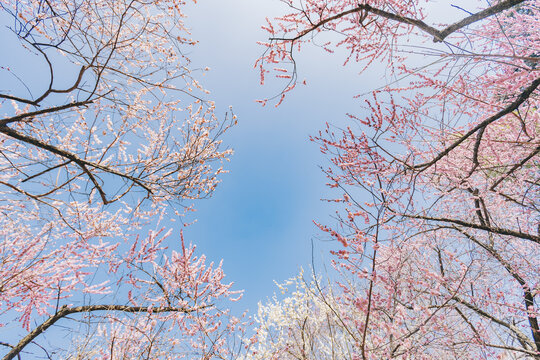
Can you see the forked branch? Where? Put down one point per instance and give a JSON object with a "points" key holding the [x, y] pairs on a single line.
{"points": [[438, 35], [507, 110], [82, 163]]}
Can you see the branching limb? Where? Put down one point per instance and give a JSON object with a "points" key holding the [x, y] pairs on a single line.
{"points": [[515, 167], [18, 99], [481, 312], [492, 229], [33, 114], [65, 311], [438, 35], [84, 164], [528, 296], [507, 110], [46, 171]]}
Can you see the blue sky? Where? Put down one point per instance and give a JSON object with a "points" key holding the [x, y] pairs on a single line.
{"points": [[259, 220]]}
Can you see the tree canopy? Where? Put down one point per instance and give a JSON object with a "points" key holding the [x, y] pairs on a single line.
{"points": [[106, 134]]}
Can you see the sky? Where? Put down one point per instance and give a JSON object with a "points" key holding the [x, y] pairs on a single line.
{"points": [[260, 219]]}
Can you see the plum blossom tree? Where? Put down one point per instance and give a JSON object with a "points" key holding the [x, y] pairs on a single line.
{"points": [[104, 131], [439, 180], [306, 324]]}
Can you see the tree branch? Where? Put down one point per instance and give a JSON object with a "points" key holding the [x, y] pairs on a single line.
{"points": [[481, 312], [82, 163], [515, 167], [492, 10], [32, 114], [496, 230], [507, 110], [65, 311], [18, 99], [528, 295], [438, 35]]}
